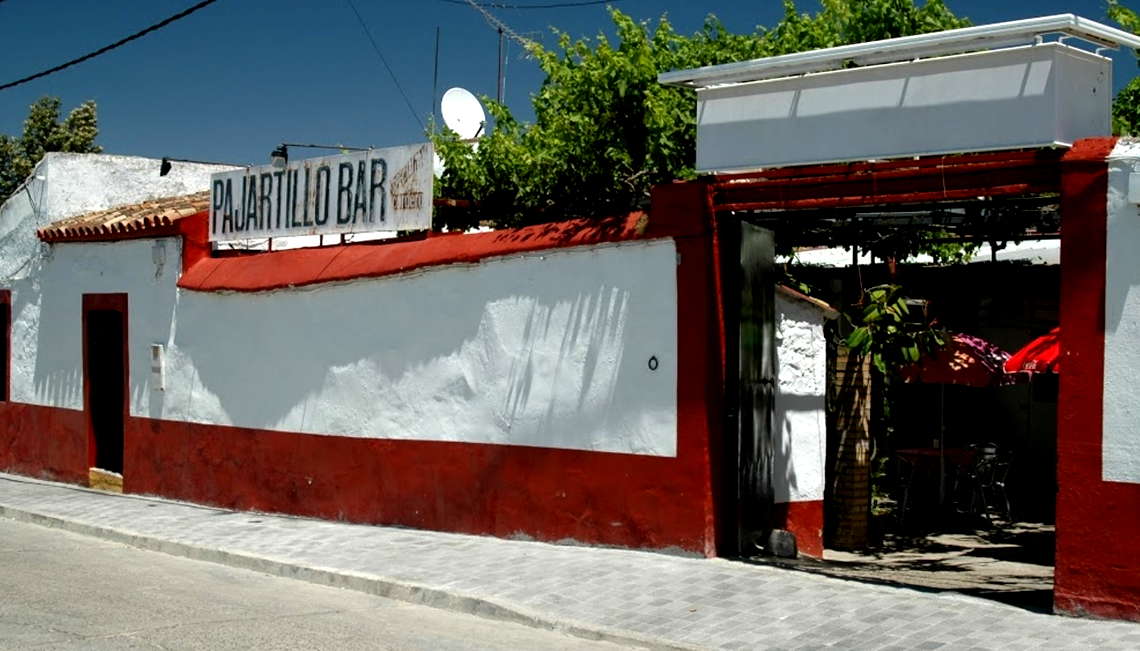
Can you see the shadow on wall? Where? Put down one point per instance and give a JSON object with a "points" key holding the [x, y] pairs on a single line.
{"points": [[53, 310], [1120, 450], [56, 379], [1123, 234], [802, 429], [545, 350]]}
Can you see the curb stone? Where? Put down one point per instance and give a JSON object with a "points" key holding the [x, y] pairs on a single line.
{"points": [[419, 594]]}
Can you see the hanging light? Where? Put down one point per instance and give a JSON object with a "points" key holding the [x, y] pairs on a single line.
{"points": [[280, 156]]}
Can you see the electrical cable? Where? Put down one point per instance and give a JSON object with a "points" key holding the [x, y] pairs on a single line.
{"points": [[376, 47], [551, 5], [108, 48]]}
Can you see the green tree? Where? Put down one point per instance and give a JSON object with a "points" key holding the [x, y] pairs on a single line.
{"points": [[605, 131], [1126, 105], [44, 132], [885, 329]]}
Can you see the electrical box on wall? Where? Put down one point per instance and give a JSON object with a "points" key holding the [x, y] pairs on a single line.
{"points": [[1134, 187], [157, 364]]}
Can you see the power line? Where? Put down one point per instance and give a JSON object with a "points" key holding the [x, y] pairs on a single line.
{"points": [[116, 44], [385, 62], [550, 5]]}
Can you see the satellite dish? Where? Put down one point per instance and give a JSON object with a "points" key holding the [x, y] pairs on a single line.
{"points": [[462, 113]]}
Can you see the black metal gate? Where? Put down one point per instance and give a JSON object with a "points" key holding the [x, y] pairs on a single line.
{"points": [[749, 291]]}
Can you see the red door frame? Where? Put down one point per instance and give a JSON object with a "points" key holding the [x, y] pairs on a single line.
{"points": [[865, 185], [115, 303]]}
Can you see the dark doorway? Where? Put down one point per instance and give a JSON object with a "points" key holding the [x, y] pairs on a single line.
{"points": [[105, 366], [749, 295], [5, 345]]}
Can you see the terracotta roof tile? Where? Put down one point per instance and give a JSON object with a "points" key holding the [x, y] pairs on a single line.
{"points": [[146, 219]]}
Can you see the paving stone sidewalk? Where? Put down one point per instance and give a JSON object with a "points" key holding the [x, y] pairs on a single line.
{"points": [[624, 596]]}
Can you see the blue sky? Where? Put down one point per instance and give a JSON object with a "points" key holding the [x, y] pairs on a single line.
{"points": [[231, 81]]}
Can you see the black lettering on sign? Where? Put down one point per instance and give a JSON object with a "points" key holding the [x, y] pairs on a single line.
{"points": [[218, 191], [251, 205], [228, 208], [290, 196], [239, 216], [378, 184], [277, 186], [343, 188], [324, 189], [266, 206], [306, 198], [360, 197]]}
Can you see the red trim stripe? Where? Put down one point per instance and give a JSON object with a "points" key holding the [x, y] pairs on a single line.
{"points": [[298, 267]]}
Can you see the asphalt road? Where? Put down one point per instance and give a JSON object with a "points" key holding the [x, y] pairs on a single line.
{"points": [[60, 590]]}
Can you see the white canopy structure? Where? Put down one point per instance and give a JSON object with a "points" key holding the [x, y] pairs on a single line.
{"points": [[907, 48], [1011, 85]]}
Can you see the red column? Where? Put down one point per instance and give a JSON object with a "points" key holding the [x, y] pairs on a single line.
{"points": [[1098, 522]]}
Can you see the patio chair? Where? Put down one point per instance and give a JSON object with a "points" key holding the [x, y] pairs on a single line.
{"points": [[987, 479]]}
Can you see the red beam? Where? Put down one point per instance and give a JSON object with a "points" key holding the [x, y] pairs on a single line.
{"points": [[1023, 155], [902, 198], [892, 182]]}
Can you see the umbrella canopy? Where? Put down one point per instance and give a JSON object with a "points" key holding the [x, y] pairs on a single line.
{"points": [[1042, 355], [965, 360]]}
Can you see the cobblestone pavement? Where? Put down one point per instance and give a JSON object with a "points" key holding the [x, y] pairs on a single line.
{"points": [[619, 595], [1011, 562]]}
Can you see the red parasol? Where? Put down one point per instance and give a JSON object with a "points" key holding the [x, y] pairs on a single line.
{"points": [[1042, 355], [964, 360]]}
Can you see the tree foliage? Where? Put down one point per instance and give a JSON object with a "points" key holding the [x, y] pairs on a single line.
{"points": [[44, 132], [1126, 105], [605, 131], [885, 329]]}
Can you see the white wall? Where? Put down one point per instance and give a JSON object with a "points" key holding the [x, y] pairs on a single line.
{"points": [[1121, 450], [800, 418], [547, 349], [47, 315], [48, 281], [66, 185]]}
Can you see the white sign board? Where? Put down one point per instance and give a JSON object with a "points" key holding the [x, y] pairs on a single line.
{"points": [[375, 190]]}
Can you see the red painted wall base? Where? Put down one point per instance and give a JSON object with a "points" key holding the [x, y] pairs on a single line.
{"points": [[498, 490], [805, 520], [43, 442]]}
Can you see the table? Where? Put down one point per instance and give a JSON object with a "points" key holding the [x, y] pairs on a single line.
{"points": [[930, 461]]}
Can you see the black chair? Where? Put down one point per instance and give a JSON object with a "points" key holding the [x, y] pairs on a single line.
{"points": [[986, 480]]}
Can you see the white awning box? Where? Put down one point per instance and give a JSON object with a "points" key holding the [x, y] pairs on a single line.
{"points": [[1035, 95]]}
